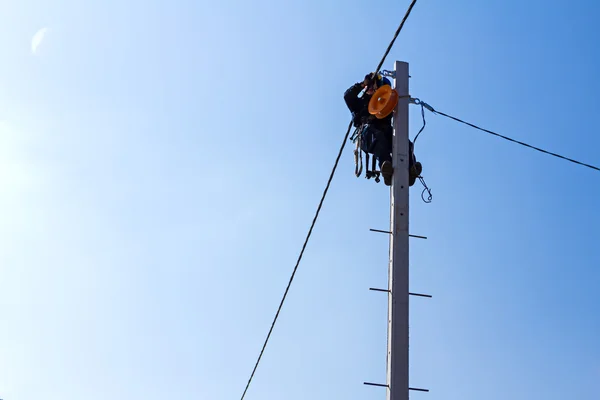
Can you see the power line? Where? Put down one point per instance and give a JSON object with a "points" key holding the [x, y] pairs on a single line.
{"points": [[387, 51], [518, 142], [321, 204], [300, 256], [427, 106]]}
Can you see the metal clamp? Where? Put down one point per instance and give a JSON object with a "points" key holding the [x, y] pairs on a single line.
{"points": [[421, 103]]}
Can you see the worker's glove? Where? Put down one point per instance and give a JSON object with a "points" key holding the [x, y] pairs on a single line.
{"points": [[368, 81]]}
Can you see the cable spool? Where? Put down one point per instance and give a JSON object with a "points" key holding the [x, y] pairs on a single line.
{"points": [[383, 102]]}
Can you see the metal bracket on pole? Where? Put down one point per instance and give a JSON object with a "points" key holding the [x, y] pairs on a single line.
{"points": [[375, 384], [389, 233], [387, 386], [380, 231], [391, 74], [412, 294], [379, 290], [420, 295]]}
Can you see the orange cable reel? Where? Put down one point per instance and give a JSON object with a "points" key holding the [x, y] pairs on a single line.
{"points": [[383, 102]]}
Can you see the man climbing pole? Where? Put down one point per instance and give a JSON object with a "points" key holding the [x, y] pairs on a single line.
{"points": [[376, 134]]}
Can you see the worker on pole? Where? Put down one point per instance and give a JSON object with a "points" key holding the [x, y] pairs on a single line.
{"points": [[376, 135]]}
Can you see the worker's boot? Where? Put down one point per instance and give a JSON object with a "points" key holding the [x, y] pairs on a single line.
{"points": [[414, 172], [387, 171]]}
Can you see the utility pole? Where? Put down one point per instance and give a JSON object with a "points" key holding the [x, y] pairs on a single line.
{"points": [[397, 355]]}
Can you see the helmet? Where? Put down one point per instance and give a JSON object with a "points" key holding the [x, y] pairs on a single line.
{"points": [[380, 80], [383, 81]]}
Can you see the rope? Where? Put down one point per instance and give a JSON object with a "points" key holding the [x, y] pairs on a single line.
{"points": [[319, 208]]}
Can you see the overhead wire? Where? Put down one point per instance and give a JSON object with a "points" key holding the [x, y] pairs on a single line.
{"points": [[321, 204], [518, 142], [387, 51], [508, 138], [299, 258]]}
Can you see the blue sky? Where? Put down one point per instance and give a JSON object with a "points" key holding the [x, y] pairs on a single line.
{"points": [[160, 164]]}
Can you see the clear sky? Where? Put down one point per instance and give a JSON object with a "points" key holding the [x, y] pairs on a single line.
{"points": [[161, 162]]}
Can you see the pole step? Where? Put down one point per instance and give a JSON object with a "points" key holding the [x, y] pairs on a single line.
{"points": [[389, 233]]}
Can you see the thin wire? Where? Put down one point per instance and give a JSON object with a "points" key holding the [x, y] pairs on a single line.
{"points": [[424, 123], [300, 256], [516, 141], [387, 51], [426, 189], [319, 207]]}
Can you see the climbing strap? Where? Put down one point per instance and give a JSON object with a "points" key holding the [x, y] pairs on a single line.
{"points": [[357, 157], [358, 160]]}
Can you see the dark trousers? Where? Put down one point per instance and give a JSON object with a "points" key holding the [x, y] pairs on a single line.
{"points": [[377, 142]]}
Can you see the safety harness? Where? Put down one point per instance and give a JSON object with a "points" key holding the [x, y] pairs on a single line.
{"points": [[357, 138]]}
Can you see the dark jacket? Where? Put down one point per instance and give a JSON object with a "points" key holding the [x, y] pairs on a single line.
{"points": [[359, 107]]}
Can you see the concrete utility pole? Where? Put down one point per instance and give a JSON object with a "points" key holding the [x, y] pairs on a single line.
{"points": [[397, 355]]}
